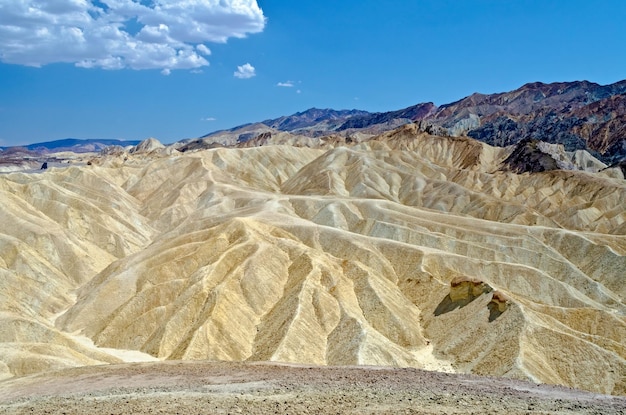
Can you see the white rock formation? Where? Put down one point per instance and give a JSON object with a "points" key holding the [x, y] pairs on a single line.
{"points": [[147, 145]]}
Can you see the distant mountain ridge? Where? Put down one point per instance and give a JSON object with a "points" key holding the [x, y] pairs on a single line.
{"points": [[414, 113], [316, 122], [580, 115], [75, 145], [313, 117]]}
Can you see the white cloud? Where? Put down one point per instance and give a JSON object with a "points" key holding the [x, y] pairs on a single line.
{"points": [[116, 34], [245, 71], [288, 84], [203, 49], [209, 119]]}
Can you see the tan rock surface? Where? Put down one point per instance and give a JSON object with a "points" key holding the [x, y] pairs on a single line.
{"points": [[409, 250]]}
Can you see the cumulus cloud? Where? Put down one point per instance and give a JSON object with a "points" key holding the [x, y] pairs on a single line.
{"points": [[116, 34], [203, 49], [288, 84], [245, 71]]}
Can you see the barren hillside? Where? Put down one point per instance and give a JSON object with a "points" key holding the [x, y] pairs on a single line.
{"points": [[409, 250]]}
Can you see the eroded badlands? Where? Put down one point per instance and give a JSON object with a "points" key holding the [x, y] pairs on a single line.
{"points": [[408, 250]]}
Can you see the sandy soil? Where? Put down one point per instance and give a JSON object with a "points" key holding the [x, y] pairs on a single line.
{"points": [[263, 388]]}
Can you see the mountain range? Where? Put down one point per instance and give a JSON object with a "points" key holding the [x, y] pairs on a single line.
{"points": [[580, 115], [74, 145]]}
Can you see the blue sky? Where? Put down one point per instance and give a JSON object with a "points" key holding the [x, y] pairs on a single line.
{"points": [[132, 69]]}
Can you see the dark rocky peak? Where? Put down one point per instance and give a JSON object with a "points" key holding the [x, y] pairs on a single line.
{"points": [[529, 157], [199, 144]]}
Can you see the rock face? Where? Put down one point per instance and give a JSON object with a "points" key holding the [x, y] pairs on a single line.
{"points": [[578, 115], [529, 157], [407, 250]]}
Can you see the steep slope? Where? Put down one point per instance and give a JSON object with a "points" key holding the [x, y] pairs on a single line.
{"points": [[58, 230], [407, 250], [579, 115]]}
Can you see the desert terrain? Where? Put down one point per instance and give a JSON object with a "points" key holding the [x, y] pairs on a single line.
{"points": [[406, 251], [265, 388]]}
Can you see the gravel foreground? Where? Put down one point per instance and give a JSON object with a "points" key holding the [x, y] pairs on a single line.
{"points": [[268, 388]]}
